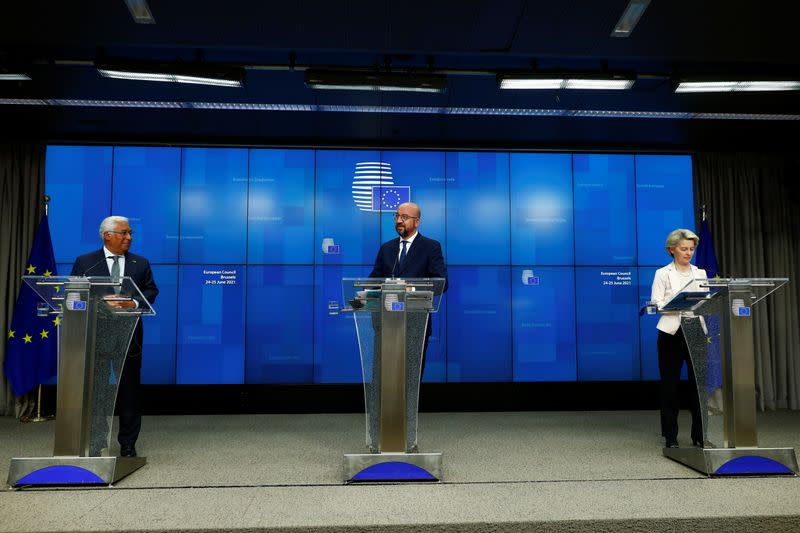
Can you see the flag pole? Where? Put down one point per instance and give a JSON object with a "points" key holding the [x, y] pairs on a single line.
{"points": [[39, 417]]}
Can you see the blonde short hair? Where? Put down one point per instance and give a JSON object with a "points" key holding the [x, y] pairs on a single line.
{"points": [[679, 235]]}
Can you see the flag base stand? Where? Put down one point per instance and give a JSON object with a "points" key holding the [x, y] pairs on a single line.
{"points": [[37, 418]]}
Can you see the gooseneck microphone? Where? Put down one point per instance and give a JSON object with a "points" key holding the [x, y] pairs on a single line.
{"points": [[94, 265], [396, 257]]}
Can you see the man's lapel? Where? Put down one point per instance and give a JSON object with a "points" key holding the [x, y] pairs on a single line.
{"points": [[99, 265], [131, 266]]}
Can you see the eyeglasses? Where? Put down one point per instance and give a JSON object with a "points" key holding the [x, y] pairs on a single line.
{"points": [[398, 216], [123, 232]]}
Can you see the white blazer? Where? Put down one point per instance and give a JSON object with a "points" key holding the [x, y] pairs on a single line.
{"points": [[666, 283]]}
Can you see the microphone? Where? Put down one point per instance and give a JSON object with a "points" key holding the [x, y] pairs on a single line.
{"points": [[396, 257], [94, 265]]}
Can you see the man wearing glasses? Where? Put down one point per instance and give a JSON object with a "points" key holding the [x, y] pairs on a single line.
{"points": [[411, 255], [116, 261]]}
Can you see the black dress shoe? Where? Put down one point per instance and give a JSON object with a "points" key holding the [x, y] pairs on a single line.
{"points": [[672, 443], [127, 450]]}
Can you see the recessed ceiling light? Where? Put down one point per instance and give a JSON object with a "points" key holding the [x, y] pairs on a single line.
{"points": [[630, 18], [566, 81], [736, 86], [14, 76], [375, 81], [140, 11], [199, 74]]}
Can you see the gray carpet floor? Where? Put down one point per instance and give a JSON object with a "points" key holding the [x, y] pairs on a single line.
{"points": [[558, 471]]}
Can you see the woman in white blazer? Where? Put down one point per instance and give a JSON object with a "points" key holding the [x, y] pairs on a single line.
{"points": [[672, 347]]}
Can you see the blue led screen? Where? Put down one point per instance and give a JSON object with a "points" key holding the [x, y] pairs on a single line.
{"points": [[156, 174], [477, 224], [605, 209], [213, 206], [542, 220], [550, 255]]}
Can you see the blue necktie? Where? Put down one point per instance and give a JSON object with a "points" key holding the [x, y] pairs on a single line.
{"points": [[403, 253]]}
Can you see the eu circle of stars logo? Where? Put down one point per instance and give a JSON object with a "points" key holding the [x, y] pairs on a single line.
{"points": [[390, 199]]}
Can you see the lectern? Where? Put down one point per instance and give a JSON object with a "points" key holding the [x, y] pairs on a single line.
{"points": [[93, 340], [717, 321], [391, 318]]}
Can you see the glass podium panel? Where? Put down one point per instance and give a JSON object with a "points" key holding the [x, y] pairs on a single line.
{"points": [[759, 288], [51, 289], [372, 301], [717, 321], [705, 307], [392, 318], [422, 294], [113, 335], [367, 330], [98, 317], [702, 334]]}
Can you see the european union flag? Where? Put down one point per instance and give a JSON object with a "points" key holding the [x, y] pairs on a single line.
{"points": [[705, 257], [31, 342], [388, 198]]}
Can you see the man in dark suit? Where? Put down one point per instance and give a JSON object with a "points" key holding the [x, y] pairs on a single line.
{"points": [[411, 255], [115, 260]]}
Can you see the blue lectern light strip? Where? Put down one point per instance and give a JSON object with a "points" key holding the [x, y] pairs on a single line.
{"points": [[61, 475], [750, 465], [394, 470]]}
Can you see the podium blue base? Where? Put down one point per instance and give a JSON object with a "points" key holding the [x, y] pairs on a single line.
{"points": [[736, 461], [51, 471], [392, 467]]}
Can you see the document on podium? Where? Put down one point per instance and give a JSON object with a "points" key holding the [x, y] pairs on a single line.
{"points": [[690, 297]]}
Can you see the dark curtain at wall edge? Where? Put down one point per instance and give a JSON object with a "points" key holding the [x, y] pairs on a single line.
{"points": [[753, 207], [21, 208]]}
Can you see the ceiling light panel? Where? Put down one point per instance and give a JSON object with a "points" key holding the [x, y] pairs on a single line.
{"points": [[630, 18], [140, 11], [590, 83], [736, 86], [531, 83], [197, 74], [375, 81], [606, 85], [14, 76]]}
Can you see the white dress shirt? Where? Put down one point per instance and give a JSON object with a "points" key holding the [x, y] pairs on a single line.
{"points": [[667, 282], [110, 261]]}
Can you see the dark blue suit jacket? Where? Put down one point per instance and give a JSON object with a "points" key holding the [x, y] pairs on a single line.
{"points": [[424, 260], [137, 268]]}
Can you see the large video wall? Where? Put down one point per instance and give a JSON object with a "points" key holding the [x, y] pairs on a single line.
{"points": [[550, 255]]}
